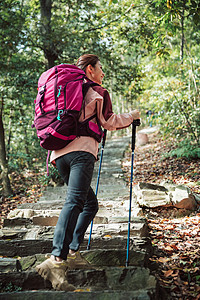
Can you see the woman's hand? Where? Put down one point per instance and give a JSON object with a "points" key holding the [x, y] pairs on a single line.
{"points": [[135, 114]]}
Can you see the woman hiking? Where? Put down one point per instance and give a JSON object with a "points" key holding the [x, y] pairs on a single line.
{"points": [[75, 163]]}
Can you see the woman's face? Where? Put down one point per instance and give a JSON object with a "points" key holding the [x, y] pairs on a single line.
{"points": [[95, 73]]}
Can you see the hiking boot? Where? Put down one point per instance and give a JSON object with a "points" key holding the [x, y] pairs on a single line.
{"points": [[76, 261], [54, 271]]}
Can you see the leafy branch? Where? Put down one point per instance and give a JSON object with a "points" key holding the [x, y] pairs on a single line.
{"points": [[117, 19]]}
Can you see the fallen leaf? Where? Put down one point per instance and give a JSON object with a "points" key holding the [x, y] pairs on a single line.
{"points": [[168, 273], [163, 259]]}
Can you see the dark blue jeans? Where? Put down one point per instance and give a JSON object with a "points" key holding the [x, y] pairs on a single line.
{"points": [[80, 207]]}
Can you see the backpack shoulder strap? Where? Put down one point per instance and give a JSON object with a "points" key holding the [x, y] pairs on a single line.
{"points": [[85, 89]]}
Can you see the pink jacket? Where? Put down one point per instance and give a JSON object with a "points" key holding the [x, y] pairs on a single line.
{"points": [[97, 100]]}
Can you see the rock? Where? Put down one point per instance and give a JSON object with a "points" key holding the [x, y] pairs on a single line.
{"points": [[21, 213], [151, 195], [169, 185], [100, 220], [16, 222], [197, 198], [9, 265], [151, 186], [12, 233], [13, 214], [33, 233], [45, 221], [180, 192], [28, 213], [187, 203], [30, 262], [141, 139], [180, 213]]}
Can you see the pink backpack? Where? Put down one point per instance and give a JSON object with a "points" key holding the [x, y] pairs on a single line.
{"points": [[58, 106]]}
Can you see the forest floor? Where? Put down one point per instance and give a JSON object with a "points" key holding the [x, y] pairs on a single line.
{"points": [[175, 238]]}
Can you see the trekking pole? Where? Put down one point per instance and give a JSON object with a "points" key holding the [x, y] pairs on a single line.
{"points": [[98, 178], [134, 124]]}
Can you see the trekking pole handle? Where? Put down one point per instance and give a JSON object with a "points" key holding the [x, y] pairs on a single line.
{"points": [[134, 124], [104, 138]]}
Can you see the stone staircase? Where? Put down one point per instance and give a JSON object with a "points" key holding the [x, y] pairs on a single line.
{"points": [[27, 235]]}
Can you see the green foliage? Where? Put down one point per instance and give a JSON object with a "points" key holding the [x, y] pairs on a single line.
{"points": [[139, 45], [11, 23], [185, 149], [10, 287], [172, 92]]}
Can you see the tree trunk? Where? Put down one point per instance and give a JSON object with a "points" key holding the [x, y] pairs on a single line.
{"points": [[49, 48], [7, 191], [182, 32]]}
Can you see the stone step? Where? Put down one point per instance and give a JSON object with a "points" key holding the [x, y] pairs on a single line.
{"points": [[21, 248], [27, 236], [102, 196], [142, 294], [109, 190], [118, 144], [107, 167], [104, 216], [96, 258], [103, 186], [48, 218], [58, 201], [114, 162], [138, 228], [116, 153], [121, 143], [100, 279], [108, 170], [107, 209], [112, 186], [113, 257], [15, 248], [42, 205]]}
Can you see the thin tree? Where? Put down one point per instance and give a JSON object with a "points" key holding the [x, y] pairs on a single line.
{"points": [[7, 191]]}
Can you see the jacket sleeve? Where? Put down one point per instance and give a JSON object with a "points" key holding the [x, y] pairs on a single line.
{"points": [[107, 118]]}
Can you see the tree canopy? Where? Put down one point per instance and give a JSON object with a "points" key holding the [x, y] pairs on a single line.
{"points": [[149, 51]]}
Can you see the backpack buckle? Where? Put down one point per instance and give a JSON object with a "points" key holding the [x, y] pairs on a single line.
{"points": [[60, 112], [42, 89]]}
